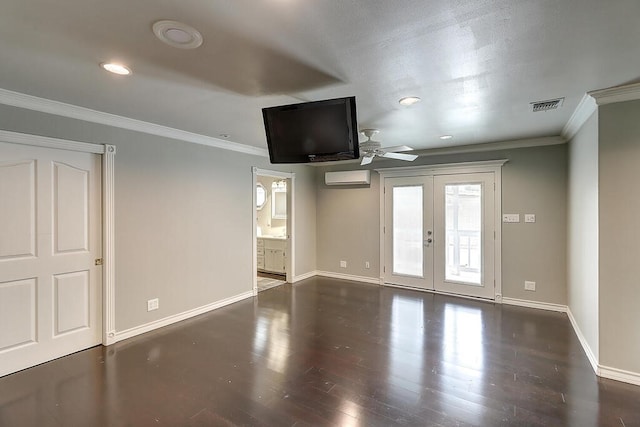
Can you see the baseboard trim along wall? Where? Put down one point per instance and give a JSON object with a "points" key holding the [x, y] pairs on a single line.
{"points": [[585, 345], [535, 304], [156, 324], [304, 276], [619, 375], [363, 279]]}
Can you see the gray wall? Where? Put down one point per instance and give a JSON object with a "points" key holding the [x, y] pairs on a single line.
{"points": [[183, 216], [619, 276], [582, 237], [534, 181]]}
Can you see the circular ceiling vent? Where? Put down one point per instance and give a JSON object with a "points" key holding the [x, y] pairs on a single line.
{"points": [[177, 34]]}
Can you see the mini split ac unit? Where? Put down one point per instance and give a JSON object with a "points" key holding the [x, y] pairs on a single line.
{"points": [[358, 177]]}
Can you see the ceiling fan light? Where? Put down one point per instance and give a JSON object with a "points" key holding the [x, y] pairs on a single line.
{"points": [[409, 100]]}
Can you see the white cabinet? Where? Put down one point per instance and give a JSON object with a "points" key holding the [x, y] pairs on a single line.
{"points": [[271, 255]]}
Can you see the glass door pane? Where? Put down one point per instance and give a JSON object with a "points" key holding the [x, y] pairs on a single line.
{"points": [[463, 233], [408, 255], [407, 230]]}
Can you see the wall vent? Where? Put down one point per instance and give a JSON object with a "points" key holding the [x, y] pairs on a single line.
{"points": [[550, 104]]}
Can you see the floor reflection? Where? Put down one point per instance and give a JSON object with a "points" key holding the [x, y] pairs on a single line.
{"points": [[406, 335], [272, 338], [462, 341]]}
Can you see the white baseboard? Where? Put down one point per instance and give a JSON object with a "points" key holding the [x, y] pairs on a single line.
{"points": [[583, 341], [147, 327], [343, 276], [535, 304], [619, 375], [305, 276]]}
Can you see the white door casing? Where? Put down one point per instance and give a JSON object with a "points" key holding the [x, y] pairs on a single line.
{"points": [[50, 239]]}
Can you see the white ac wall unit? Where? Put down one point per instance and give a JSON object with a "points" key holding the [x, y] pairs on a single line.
{"points": [[359, 177]]}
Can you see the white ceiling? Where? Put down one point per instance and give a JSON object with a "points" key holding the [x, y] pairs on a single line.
{"points": [[476, 64]]}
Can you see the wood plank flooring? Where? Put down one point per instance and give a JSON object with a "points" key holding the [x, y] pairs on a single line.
{"points": [[331, 352]]}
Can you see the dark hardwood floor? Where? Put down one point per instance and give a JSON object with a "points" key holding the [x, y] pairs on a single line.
{"points": [[331, 352]]}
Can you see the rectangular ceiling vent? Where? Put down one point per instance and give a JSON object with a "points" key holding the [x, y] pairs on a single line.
{"points": [[550, 104]]}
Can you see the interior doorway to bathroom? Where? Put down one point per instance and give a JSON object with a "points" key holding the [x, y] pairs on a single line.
{"points": [[273, 219]]}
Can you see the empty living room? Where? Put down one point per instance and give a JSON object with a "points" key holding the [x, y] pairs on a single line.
{"points": [[291, 213]]}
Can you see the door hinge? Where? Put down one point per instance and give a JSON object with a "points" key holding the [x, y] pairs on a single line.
{"points": [[98, 261]]}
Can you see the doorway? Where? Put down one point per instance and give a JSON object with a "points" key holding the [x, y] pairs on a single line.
{"points": [[440, 229], [273, 226]]}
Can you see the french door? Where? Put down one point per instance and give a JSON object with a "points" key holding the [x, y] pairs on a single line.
{"points": [[439, 233]]}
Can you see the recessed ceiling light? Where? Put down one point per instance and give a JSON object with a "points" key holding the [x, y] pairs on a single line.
{"points": [[409, 100], [446, 137], [116, 68], [177, 34]]}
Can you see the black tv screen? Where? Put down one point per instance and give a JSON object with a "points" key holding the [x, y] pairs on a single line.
{"points": [[318, 131]]}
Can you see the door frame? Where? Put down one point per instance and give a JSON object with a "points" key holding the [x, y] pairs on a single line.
{"points": [[493, 166], [290, 257], [107, 152]]}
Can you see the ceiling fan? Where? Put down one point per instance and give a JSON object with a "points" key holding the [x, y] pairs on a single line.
{"points": [[370, 148]]}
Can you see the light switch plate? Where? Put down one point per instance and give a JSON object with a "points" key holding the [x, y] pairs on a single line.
{"points": [[510, 217], [529, 286], [529, 217]]}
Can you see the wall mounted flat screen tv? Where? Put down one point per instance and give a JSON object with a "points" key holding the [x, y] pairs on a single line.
{"points": [[319, 131]]}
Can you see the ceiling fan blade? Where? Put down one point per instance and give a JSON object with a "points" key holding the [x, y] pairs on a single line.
{"points": [[366, 160], [398, 148], [400, 156]]}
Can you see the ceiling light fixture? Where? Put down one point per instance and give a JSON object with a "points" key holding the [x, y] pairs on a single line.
{"points": [[116, 68], [177, 34], [409, 100], [446, 137]]}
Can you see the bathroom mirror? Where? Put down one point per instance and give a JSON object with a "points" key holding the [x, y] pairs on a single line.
{"points": [[279, 203], [261, 196]]}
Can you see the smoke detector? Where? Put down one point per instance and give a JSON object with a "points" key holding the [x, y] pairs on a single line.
{"points": [[550, 104]]}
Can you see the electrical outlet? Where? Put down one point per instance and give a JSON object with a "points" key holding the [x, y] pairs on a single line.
{"points": [[343, 264], [153, 304], [510, 217], [529, 217], [529, 286], [367, 265]]}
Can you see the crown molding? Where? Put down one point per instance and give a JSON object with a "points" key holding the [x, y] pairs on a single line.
{"points": [[610, 95], [586, 107], [43, 105]]}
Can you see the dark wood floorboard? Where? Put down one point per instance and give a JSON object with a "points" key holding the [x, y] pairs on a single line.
{"points": [[331, 352]]}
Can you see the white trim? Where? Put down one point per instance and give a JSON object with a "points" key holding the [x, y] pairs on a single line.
{"points": [[583, 341], [535, 304], [160, 323], [581, 114], [363, 279], [616, 94], [619, 374], [443, 169], [108, 245], [46, 142], [304, 276], [291, 248], [62, 109]]}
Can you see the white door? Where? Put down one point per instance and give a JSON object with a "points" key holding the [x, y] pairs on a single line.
{"points": [[439, 233], [50, 239], [464, 234], [408, 231]]}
